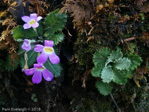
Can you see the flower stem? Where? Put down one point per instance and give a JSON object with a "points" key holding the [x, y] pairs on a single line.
{"points": [[38, 37], [26, 59], [36, 32], [119, 110]]}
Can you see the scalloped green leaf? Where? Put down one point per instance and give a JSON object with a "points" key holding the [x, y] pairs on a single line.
{"points": [[54, 22], [132, 46], [122, 63], [104, 88], [54, 68], [113, 67], [105, 52], [120, 77], [135, 61], [57, 38], [107, 74], [114, 56], [100, 56], [32, 55], [96, 71], [20, 33]]}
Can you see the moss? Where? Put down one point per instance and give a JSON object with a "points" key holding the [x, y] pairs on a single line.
{"points": [[84, 51], [142, 100], [92, 105]]}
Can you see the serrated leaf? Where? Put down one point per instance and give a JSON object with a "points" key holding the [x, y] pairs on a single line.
{"points": [[107, 74], [115, 67], [57, 38], [105, 52], [114, 56], [40, 29], [129, 74], [32, 55], [96, 71], [100, 57], [135, 61], [54, 22], [104, 88], [132, 47], [54, 68], [120, 77], [122, 63], [20, 33]]}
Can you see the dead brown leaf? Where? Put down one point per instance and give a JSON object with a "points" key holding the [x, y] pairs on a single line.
{"points": [[80, 16]]}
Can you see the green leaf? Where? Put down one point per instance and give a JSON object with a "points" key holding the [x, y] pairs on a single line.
{"points": [[122, 63], [107, 74], [40, 28], [54, 68], [105, 52], [135, 61], [129, 74], [54, 22], [96, 71], [20, 33], [112, 66], [104, 88], [100, 57], [57, 38], [114, 56], [142, 16], [132, 47], [120, 77], [32, 55]]}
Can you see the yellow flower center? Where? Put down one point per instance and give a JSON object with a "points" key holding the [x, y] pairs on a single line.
{"points": [[31, 22], [48, 49], [42, 68]]}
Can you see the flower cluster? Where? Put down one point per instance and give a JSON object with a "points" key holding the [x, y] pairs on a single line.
{"points": [[46, 51]]}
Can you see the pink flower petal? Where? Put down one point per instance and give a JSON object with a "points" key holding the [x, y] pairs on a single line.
{"points": [[26, 41], [54, 58], [38, 48], [49, 43], [29, 71], [38, 18], [27, 48], [38, 65], [26, 45], [47, 75], [33, 16], [35, 25], [42, 58], [37, 77], [26, 26], [26, 18]]}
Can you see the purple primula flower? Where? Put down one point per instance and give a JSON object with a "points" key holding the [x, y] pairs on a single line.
{"points": [[47, 51], [26, 45], [31, 21], [38, 70]]}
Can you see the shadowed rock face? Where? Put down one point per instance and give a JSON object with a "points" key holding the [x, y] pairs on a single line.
{"points": [[112, 25]]}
